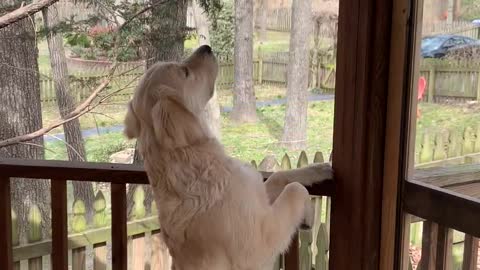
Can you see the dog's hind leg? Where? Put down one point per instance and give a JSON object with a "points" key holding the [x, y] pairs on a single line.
{"points": [[284, 217], [306, 176]]}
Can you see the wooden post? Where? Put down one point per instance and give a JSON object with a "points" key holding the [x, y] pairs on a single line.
{"points": [[160, 256], [318, 158], [6, 258], [444, 248], [35, 235], [119, 230], [59, 257], [470, 253], [15, 237], [260, 65], [302, 160], [79, 224], [478, 78], [431, 85], [477, 139], [286, 164], [138, 241], [429, 246], [291, 257], [426, 151], [99, 221], [321, 262], [305, 249]]}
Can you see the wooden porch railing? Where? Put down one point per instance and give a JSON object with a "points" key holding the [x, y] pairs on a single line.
{"points": [[118, 175]]}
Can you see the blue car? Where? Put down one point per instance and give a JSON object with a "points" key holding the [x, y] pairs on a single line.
{"points": [[439, 45]]}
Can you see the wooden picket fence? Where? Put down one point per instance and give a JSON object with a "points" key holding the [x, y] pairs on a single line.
{"points": [[446, 80], [451, 80], [464, 28], [447, 147], [269, 69]]}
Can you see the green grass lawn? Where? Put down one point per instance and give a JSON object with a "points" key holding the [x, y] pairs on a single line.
{"points": [[255, 141]]}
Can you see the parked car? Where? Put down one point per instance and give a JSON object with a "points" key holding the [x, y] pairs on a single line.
{"points": [[438, 46]]}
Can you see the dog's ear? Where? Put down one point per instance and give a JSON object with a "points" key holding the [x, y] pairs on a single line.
{"points": [[132, 124], [174, 125]]}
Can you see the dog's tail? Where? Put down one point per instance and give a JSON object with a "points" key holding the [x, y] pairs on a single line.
{"points": [[173, 124]]}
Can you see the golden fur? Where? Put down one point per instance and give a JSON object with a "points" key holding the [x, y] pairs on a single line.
{"points": [[216, 213]]}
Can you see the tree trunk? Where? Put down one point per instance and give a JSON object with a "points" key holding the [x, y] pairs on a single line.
{"points": [[244, 107], [165, 42], [73, 134], [20, 113], [263, 17], [457, 10], [315, 64], [167, 31], [212, 111], [295, 129]]}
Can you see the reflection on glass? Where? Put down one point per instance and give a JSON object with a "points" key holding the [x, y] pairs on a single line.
{"points": [[448, 92]]}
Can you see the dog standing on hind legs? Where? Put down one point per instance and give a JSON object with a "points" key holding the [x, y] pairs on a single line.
{"points": [[216, 213]]}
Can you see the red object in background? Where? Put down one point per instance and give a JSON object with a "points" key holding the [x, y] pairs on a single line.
{"points": [[422, 84]]}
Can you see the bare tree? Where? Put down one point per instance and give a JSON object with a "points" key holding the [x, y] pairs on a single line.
{"points": [[65, 101], [244, 105], [212, 111], [20, 113], [295, 128], [167, 31]]}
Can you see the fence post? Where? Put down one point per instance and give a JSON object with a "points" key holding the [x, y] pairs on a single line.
{"points": [[305, 249], [302, 160], [286, 164], [160, 257], [260, 65], [99, 221], [138, 240], [318, 158], [35, 235], [478, 83], [79, 224], [15, 237], [322, 248], [431, 85]]}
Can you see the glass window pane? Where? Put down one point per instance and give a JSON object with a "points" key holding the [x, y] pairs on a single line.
{"points": [[447, 94]]}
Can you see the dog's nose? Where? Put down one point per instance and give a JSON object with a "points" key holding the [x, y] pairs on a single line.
{"points": [[205, 49]]}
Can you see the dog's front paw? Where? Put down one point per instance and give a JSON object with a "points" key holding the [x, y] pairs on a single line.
{"points": [[323, 171]]}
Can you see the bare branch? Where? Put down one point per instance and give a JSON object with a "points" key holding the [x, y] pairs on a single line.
{"points": [[79, 111], [24, 12], [139, 13]]}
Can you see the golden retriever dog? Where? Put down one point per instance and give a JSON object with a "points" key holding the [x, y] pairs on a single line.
{"points": [[216, 212]]}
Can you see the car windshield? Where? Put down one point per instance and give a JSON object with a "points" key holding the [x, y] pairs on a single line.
{"points": [[431, 43]]}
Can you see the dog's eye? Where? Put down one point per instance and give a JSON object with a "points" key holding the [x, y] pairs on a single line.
{"points": [[186, 71]]}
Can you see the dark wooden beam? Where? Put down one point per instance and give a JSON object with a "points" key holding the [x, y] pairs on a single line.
{"points": [[361, 94], [59, 225], [429, 246], [6, 260], [442, 206], [470, 253], [102, 172], [444, 249], [292, 259], [119, 227]]}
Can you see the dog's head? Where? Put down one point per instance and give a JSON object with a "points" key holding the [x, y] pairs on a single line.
{"points": [[169, 98]]}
